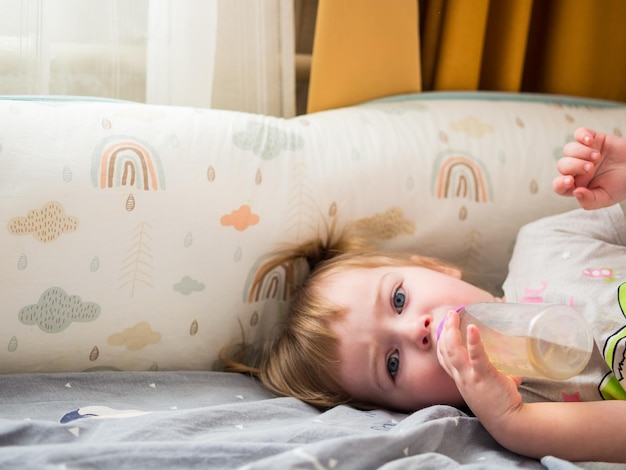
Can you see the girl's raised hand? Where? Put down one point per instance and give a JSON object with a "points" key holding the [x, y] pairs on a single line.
{"points": [[593, 169], [491, 395]]}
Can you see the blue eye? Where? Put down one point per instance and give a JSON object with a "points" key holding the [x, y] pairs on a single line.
{"points": [[393, 364], [399, 299]]}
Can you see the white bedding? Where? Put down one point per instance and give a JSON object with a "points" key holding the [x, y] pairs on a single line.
{"points": [[169, 420]]}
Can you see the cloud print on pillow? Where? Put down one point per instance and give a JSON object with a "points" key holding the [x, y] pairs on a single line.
{"points": [[188, 285], [240, 219], [267, 141], [56, 310], [135, 337]]}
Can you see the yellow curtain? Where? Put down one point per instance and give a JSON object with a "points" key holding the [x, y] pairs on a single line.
{"points": [[571, 47], [366, 49], [363, 49], [474, 44], [578, 47]]}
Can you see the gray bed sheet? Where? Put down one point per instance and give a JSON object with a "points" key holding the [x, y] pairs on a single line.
{"points": [[212, 420]]}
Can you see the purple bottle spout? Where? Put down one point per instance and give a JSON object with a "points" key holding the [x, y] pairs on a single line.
{"points": [[443, 321]]}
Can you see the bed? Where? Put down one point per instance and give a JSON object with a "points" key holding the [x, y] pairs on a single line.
{"points": [[133, 238]]}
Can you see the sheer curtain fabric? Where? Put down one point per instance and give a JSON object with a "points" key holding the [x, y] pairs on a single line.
{"points": [[232, 54]]}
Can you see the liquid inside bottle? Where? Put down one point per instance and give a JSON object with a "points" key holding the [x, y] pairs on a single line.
{"points": [[545, 341], [554, 360]]}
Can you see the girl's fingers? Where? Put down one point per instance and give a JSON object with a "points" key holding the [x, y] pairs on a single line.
{"points": [[449, 346], [575, 166], [595, 199], [584, 136], [563, 185], [579, 151], [476, 350]]}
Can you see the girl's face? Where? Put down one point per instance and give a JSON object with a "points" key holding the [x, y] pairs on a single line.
{"points": [[388, 337]]}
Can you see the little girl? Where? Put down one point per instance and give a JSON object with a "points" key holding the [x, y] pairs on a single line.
{"points": [[362, 327]]}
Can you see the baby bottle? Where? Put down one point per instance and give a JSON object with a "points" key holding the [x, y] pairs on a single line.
{"points": [[531, 340]]}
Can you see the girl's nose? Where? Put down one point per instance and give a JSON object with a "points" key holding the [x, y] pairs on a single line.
{"points": [[419, 332]]}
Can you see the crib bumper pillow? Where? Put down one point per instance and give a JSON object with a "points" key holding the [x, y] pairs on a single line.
{"points": [[133, 236]]}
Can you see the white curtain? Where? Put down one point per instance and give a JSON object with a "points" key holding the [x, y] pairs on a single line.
{"points": [[230, 54], [181, 52]]}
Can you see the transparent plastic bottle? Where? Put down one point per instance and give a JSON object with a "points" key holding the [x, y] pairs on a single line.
{"points": [[531, 340]]}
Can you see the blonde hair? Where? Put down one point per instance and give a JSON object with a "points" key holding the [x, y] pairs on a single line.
{"points": [[302, 361]]}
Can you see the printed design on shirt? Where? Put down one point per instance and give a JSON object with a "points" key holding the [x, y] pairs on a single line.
{"points": [[613, 385], [570, 397], [533, 295], [608, 274]]}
